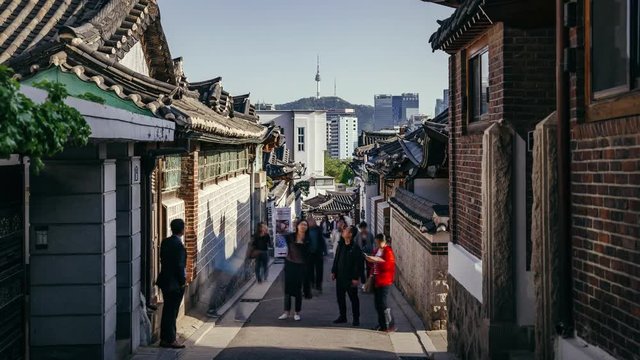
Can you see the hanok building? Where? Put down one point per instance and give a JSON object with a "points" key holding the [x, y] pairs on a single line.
{"points": [[543, 220], [406, 186], [100, 212]]}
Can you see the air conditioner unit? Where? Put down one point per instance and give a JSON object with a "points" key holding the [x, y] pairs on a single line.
{"points": [[260, 179]]}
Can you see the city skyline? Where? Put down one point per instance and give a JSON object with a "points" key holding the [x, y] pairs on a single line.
{"points": [[279, 41]]}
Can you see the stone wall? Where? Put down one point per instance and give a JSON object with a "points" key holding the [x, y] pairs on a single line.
{"points": [[421, 275], [224, 230], [465, 323]]}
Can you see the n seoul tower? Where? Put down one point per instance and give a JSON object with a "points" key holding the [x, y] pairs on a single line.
{"points": [[318, 80]]}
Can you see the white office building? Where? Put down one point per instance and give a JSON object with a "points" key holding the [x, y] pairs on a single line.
{"points": [[305, 132], [342, 133]]}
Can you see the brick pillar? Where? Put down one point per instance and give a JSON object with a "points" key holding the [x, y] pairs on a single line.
{"points": [[189, 190]]}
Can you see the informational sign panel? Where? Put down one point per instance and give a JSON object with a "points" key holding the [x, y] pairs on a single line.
{"points": [[283, 228]]}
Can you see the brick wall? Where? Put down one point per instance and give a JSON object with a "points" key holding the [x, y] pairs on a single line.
{"points": [[605, 196], [188, 192], [605, 185], [521, 92]]}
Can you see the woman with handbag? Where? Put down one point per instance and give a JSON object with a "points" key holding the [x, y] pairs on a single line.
{"points": [[260, 251], [295, 269], [384, 269]]}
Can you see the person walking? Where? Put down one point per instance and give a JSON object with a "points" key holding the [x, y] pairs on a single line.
{"points": [[317, 252], [172, 281], [260, 250], [384, 268], [295, 269], [346, 271], [366, 242]]}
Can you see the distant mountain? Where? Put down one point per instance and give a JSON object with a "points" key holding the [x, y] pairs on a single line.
{"points": [[363, 112]]}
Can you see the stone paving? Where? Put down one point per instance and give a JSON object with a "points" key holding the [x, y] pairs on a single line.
{"points": [[250, 330]]}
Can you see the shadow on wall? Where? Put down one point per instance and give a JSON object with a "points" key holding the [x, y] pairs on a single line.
{"points": [[218, 275]]}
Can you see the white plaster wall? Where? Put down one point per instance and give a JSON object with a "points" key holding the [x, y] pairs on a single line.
{"points": [[434, 190], [315, 125], [224, 224], [135, 60]]}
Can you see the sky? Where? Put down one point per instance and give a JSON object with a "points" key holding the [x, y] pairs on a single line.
{"points": [[269, 47]]}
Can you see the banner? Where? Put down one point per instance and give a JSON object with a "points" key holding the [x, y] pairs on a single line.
{"points": [[283, 228]]}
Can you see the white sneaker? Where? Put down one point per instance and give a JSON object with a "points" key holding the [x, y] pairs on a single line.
{"points": [[284, 316], [296, 317]]}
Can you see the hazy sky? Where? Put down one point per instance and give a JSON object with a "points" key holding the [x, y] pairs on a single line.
{"points": [[269, 47]]}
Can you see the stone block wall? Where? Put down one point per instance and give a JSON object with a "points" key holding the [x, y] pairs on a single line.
{"points": [[465, 323], [421, 275], [73, 280], [224, 230]]}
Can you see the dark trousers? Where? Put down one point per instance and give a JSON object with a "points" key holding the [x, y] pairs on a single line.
{"points": [[380, 295], [262, 266], [352, 291], [170, 308], [315, 268], [294, 281], [287, 302]]}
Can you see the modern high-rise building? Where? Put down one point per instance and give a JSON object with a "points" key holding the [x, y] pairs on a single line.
{"points": [[383, 111], [342, 133], [442, 104], [394, 110]]}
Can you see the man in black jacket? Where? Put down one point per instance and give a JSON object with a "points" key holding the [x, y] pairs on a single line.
{"points": [[172, 280], [348, 266]]}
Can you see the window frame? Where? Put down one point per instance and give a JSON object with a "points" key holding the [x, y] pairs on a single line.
{"points": [[620, 101], [301, 144], [479, 47]]}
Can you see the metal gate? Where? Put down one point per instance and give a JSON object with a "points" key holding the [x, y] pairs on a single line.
{"points": [[12, 274]]}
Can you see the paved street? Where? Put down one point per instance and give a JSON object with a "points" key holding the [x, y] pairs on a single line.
{"points": [[250, 330]]}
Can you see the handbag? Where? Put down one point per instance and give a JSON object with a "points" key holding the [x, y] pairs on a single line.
{"points": [[252, 252], [368, 285]]}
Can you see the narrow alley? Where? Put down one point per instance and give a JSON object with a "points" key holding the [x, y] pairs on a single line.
{"points": [[249, 329]]}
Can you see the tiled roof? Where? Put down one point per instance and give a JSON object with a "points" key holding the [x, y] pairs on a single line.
{"points": [[333, 202], [468, 21], [418, 211], [88, 38], [110, 27]]}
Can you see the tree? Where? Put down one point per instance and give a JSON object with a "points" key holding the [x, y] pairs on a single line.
{"points": [[337, 169], [37, 130]]}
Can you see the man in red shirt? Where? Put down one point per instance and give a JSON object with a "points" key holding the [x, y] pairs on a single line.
{"points": [[384, 270]]}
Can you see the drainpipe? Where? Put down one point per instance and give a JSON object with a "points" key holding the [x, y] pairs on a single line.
{"points": [[565, 318]]}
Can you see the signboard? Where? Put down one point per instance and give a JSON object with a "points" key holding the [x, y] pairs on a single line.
{"points": [[283, 228]]}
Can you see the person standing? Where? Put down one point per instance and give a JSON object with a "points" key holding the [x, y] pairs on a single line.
{"points": [[317, 251], [260, 247], [384, 268], [346, 271], [295, 269], [172, 281], [366, 242], [365, 238]]}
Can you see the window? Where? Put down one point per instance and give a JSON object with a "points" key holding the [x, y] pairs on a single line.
{"points": [[479, 85], [612, 62], [610, 47], [300, 139]]}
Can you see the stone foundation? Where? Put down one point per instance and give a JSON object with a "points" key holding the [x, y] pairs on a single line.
{"points": [[464, 330]]}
